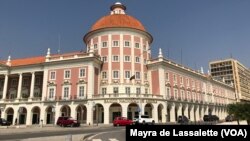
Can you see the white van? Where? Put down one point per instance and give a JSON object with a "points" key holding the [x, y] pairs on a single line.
{"points": [[143, 119]]}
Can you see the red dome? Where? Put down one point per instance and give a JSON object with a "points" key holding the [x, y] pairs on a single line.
{"points": [[117, 20]]}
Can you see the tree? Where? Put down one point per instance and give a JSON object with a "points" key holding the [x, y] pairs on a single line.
{"points": [[241, 111]]}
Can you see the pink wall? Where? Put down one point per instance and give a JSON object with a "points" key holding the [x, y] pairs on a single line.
{"points": [[104, 38], [116, 65], [126, 37], [127, 65], [95, 40], [137, 67], [116, 51], [136, 39], [127, 51], [115, 37], [155, 82]]}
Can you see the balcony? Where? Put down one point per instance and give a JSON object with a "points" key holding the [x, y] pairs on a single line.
{"points": [[116, 95]]}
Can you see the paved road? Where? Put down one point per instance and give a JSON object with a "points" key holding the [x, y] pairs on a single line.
{"points": [[118, 135], [50, 133]]}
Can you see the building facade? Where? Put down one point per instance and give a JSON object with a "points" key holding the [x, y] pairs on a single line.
{"points": [[233, 72], [116, 76]]}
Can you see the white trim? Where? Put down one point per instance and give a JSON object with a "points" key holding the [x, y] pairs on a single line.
{"points": [[69, 94], [138, 44], [64, 74], [127, 56], [83, 68], [106, 60], [106, 44], [115, 60], [50, 72], [106, 75], [125, 43], [115, 45], [125, 74], [139, 59], [113, 74], [84, 92], [54, 93]]}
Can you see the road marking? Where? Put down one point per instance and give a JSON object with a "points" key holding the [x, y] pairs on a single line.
{"points": [[113, 139], [96, 140], [90, 138]]}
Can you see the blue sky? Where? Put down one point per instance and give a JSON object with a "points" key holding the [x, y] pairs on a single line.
{"points": [[203, 30]]}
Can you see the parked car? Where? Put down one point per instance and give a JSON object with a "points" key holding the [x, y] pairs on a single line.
{"points": [[4, 122], [210, 118], [122, 121], [143, 119], [183, 120], [67, 121], [229, 118]]}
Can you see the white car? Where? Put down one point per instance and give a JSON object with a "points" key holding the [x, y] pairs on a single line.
{"points": [[143, 119]]}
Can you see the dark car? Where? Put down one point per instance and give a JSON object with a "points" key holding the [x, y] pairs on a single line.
{"points": [[229, 118], [67, 121], [210, 118], [183, 120], [4, 122], [122, 121]]}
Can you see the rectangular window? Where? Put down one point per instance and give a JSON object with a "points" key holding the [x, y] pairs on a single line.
{"points": [[95, 46], [37, 81], [137, 59], [168, 92], [167, 76], [137, 75], [66, 92], [25, 82], [182, 94], [104, 91], [175, 79], [115, 43], [52, 75], [127, 90], [104, 58], [51, 93], [175, 93], [14, 82], [126, 58], [115, 90], [127, 74], [138, 90], [81, 91], [187, 82], [146, 90], [104, 44], [66, 74], [115, 58], [127, 44], [181, 79], [104, 75], [137, 45], [82, 72], [115, 74]]}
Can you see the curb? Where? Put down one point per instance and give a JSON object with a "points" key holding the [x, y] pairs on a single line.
{"points": [[86, 136]]}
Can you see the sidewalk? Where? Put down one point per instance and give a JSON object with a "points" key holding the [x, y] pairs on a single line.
{"points": [[36, 129], [233, 123]]}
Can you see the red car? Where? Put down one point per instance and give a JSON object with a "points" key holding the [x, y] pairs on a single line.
{"points": [[67, 121], [122, 121]]}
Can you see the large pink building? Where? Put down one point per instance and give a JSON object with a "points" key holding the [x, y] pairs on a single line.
{"points": [[95, 86]]}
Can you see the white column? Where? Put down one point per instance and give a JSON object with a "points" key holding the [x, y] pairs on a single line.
{"points": [[197, 114], [32, 85], [5, 86], [91, 79], [90, 113], [73, 111], [172, 113], [163, 114], [186, 111], [106, 114], [179, 112], [45, 81], [121, 59], [15, 115], [57, 112], [155, 113], [2, 112], [202, 112], [124, 110], [19, 86], [29, 117], [192, 113]]}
